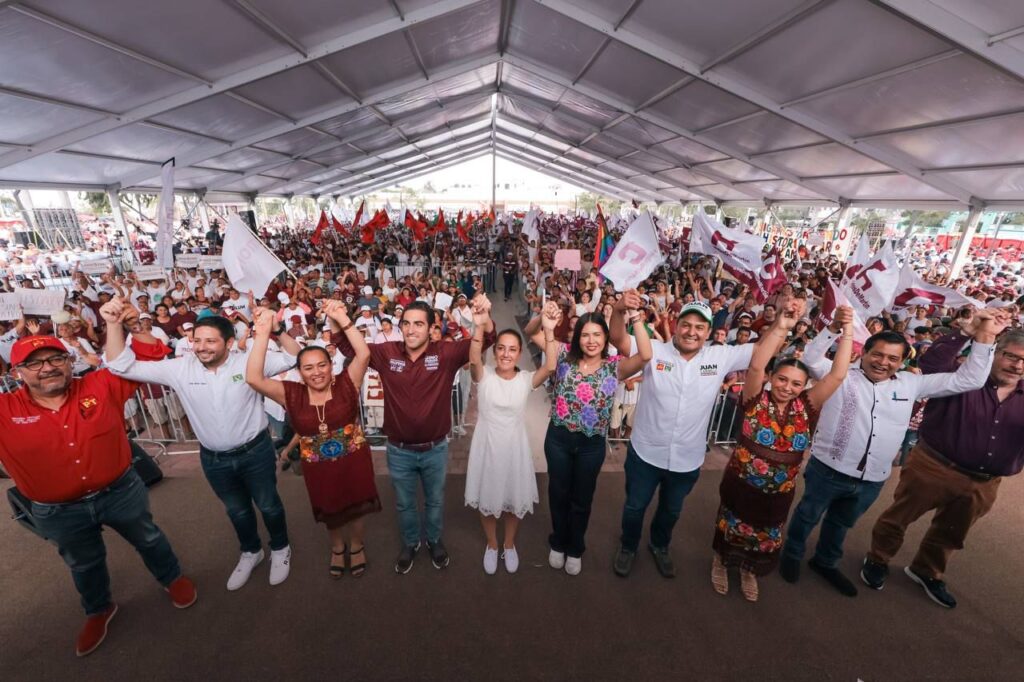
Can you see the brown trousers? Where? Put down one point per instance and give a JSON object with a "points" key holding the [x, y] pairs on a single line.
{"points": [[926, 484]]}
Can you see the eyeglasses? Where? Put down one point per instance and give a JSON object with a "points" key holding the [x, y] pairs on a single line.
{"points": [[55, 361], [1015, 359]]}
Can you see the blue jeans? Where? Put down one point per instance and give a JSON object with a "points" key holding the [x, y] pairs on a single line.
{"points": [[76, 528], [409, 468], [841, 499], [574, 461], [242, 479], [642, 479]]}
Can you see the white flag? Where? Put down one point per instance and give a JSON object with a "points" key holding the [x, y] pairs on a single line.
{"points": [[833, 298], [165, 217], [529, 225], [871, 287], [913, 290], [860, 257], [740, 253], [249, 264], [635, 256]]}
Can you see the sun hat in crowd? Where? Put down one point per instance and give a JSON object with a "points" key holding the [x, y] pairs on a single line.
{"points": [[701, 309]]}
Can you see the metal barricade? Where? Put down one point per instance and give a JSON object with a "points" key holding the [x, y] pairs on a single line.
{"points": [[155, 414], [725, 417]]}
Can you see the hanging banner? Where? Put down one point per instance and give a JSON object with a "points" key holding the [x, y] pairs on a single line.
{"points": [[165, 217], [788, 240]]}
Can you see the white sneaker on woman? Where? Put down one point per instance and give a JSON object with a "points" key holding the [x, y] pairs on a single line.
{"points": [[573, 565], [279, 565], [556, 560], [246, 563], [490, 561], [511, 560]]}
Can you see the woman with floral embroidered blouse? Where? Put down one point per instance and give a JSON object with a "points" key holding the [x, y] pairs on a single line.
{"points": [[757, 486], [584, 389]]}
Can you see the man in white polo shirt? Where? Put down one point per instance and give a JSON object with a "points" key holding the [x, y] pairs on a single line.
{"points": [[669, 439], [236, 450]]}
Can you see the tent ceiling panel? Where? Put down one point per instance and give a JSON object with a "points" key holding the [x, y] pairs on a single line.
{"points": [[469, 32], [156, 29], [764, 133], [350, 123], [290, 170], [138, 142], [296, 142], [249, 185], [587, 108], [952, 88], [616, 69], [650, 163], [826, 159], [782, 190], [878, 186], [699, 105], [688, 178], [608, 146], [218, 116], [45, 60], [779, 64], [25, 120], [642, 133], [566, 130], [541, 35], [382, 141], [1003, 184], [583, 156], [71, 168], [295, 93], [321, 20], [986, 141], [690, 151], [519, 80], [365, 67], [737, 170], [337, 155]]}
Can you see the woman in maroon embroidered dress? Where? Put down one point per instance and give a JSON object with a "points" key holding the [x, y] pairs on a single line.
{"points": [[758, 483], [323, 410]]}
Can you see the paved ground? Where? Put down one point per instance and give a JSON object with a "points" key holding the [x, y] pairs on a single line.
{"points": [[460, 624]]}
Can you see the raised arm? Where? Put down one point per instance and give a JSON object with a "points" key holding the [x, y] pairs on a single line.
{"points": [[973, 373], [338, 314], [770, 343], [617, 325], [258, 357], [830, 383], [552, 315], [114, 312]]}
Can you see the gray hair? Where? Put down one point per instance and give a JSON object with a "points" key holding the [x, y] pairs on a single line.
{"points": [[1013, 337]]}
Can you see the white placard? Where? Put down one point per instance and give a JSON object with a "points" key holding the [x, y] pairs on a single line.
{"points": [[99, 266], [210, 263], [442, 301], [40, 301], [146, 272], [187, 260], [9, 309]]}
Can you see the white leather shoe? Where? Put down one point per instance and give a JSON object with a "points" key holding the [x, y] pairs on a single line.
{"points": [[556, 560], [490, 561], [280, 560], [511, 560], [246, 563], [573, 565]]}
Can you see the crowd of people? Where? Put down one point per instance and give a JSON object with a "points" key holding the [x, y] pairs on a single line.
{"points": [[935, 393]]}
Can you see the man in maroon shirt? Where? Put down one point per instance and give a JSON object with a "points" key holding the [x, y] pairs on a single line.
{"points": [[968, 443], [417, 376], [62, 440]]}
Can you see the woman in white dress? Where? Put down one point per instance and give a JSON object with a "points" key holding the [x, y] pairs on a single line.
{"points": [[500, 480]]}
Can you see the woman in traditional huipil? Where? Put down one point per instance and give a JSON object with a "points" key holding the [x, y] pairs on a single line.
{"points": [[323, 409], [758, 483]]}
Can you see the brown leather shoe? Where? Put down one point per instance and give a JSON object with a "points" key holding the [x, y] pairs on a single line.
{"points": [[94, 631], [183, 592]]}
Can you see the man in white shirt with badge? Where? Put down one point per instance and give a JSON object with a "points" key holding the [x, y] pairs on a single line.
{"points": [[236, 450], [669, 441], [859, 433]]}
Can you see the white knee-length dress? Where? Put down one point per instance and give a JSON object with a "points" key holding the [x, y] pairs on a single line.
{"points": [[500, 477]]}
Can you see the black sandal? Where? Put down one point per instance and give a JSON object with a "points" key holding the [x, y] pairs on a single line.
{"points": [[338, 571], [357, 570]]}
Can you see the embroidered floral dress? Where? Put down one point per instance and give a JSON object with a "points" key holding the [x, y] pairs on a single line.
{"points": [[758, 483], [581, 402]]}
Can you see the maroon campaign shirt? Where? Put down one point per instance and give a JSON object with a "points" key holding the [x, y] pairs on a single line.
{"points": [[417, 394], [973, 429]]}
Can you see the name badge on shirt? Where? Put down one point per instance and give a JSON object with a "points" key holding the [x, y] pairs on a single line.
{"points": [[708, 370], [664, 366], [237, 378], [431, 362], [397, 365], [22, 421]]}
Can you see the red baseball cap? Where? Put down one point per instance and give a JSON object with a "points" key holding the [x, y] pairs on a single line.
{"points": [[30, 344]]}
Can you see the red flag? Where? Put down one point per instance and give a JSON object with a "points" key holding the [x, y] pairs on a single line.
{"points": [[320, 227], [460, 230], [439, 224], [338, 227], [359, 215], [418, 227], [491, 216]]}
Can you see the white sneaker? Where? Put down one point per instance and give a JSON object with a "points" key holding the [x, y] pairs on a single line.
{"points": [[280, 560], [246, 563], [490, 561], [459, 431], [573, 565], [511, 560], [556, 560]]}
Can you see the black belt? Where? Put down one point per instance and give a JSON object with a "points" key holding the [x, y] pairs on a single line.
{"points": [[417, 447], [240, 449], [91, 496], [942, 459]]}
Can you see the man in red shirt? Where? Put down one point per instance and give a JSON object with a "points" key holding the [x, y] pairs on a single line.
{"points": [[62, 440], [417, 375]]}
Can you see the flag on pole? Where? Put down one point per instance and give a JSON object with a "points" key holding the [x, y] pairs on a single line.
{"points": [[461, 231], [859, 259], [740, 254], [605, 245], [418, 227], [338, 227], [832, 298], [912, 290], [439, 224], [359, 215], [873, 286], [530, 225], [249, 264], [636, 255], [165, 217], [321, 225]]}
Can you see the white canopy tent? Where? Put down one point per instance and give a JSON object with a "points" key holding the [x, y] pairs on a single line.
{"points": [[911, 103]]}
